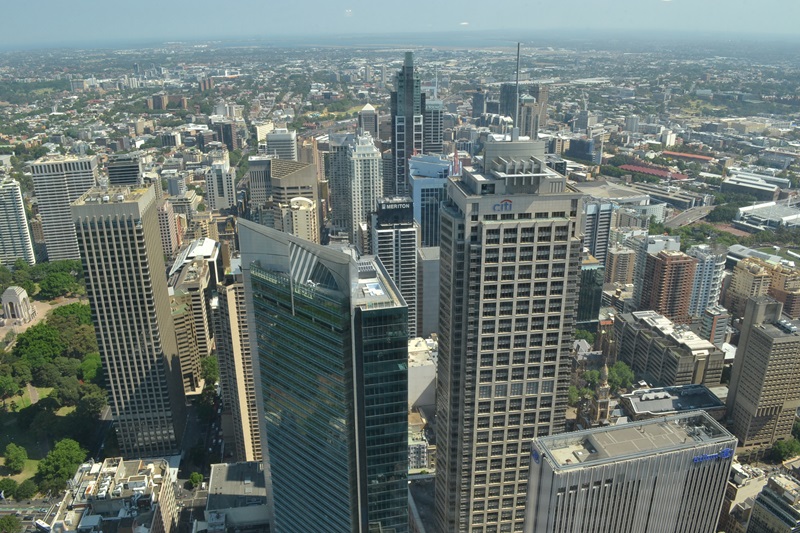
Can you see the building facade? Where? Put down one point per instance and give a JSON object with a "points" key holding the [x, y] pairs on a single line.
{"points": [[427, 183], [667, 284], [394, 238], [510, 266], [123, 264], [340, 426], [15, 239], [708, 276], [57, 182], [654, 476], [764, 392], [407, 118], [236, 367]]}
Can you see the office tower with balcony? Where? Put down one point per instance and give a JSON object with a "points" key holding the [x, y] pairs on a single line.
{"points": [[751, 278], [667, 284], [282, 143], [394, 238], [708, 276], [598, 216], [123, 264], [15, 239], [355, 181], [407, 118], [510, 269], [764, 392], [168, 226], [220, 190], [654, 476], [236, 367], [339, 428], [58, 181], [645, 246], [619, 264]]}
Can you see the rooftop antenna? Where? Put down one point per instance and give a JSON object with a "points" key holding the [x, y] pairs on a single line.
{"points": [[515, 130]]}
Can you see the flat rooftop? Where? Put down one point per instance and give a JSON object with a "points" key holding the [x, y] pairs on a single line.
{"points": [[233, 485], [667, 400], [107, 195], [607, 190], [374, 287], [629, 441]]}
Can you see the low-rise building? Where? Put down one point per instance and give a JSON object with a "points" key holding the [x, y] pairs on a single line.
{"points": [[237, 500], [642, 404]]}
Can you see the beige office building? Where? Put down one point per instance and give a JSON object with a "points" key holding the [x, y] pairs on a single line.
{"points": [[123, 263]]}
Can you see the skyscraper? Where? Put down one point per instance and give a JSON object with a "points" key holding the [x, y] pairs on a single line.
{"points": [[707, 278], [478, 103], [508, 99], [299, 217], [432, 126], [15, 239], [655, 476], [645, 245], [282, 142], [123, 265], [407, 111], [355, 180], [510, 268], [59, 181], [619, 264], [368, 120], [751, 278], [427, 181], [541, 93], [170, 238], [667, 284], [125, 169], [598, 215], [394, 238], [236, 368], [337, 432], [765, 381], [220, 190]]}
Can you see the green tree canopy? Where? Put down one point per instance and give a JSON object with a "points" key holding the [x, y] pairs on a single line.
{"points": [[620, 376], [10, 524], [91, 367], [8, 387], [26, 490], [209, 369], [57, 284], [195, 478], [7, 487], [15, 457], [59, 465]]}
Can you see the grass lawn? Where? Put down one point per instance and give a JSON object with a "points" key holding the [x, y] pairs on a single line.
{"points": [[781, 252], [28, 472]]}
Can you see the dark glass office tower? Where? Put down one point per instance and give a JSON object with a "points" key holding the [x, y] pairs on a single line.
{"points": [[331, 340], [407, 108]]}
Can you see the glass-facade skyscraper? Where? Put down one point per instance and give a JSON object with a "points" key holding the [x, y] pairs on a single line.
{"points": [[331, 333]]}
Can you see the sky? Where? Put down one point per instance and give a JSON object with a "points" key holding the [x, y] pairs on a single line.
{"points": [[101, 23]]}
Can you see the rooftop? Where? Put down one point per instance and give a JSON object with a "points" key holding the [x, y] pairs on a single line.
{"points": [[629, 441], [666, 400], [235, 485], [105, 195], [374, 288]]}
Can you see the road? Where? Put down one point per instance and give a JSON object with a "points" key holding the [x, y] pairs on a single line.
{"points": [[30, 510], [689, 216]]}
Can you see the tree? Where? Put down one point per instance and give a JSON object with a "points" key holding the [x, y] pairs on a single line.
{"points": [[195, 479], [620, 376], [26, 490], [209, 369], [8, 387], [59, 465], [10, 524], [785, 449], [591, 377], [55, 285], [66, 390], [93, 401], [15, 457], [8, 486], [38, 345], [91, 367], [586, 335]]}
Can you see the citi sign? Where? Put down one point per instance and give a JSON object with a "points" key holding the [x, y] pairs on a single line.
{"points": [[504, 205], [724, 453]]}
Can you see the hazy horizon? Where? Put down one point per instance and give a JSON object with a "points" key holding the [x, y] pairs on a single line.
{"points": [[59, 24]]}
